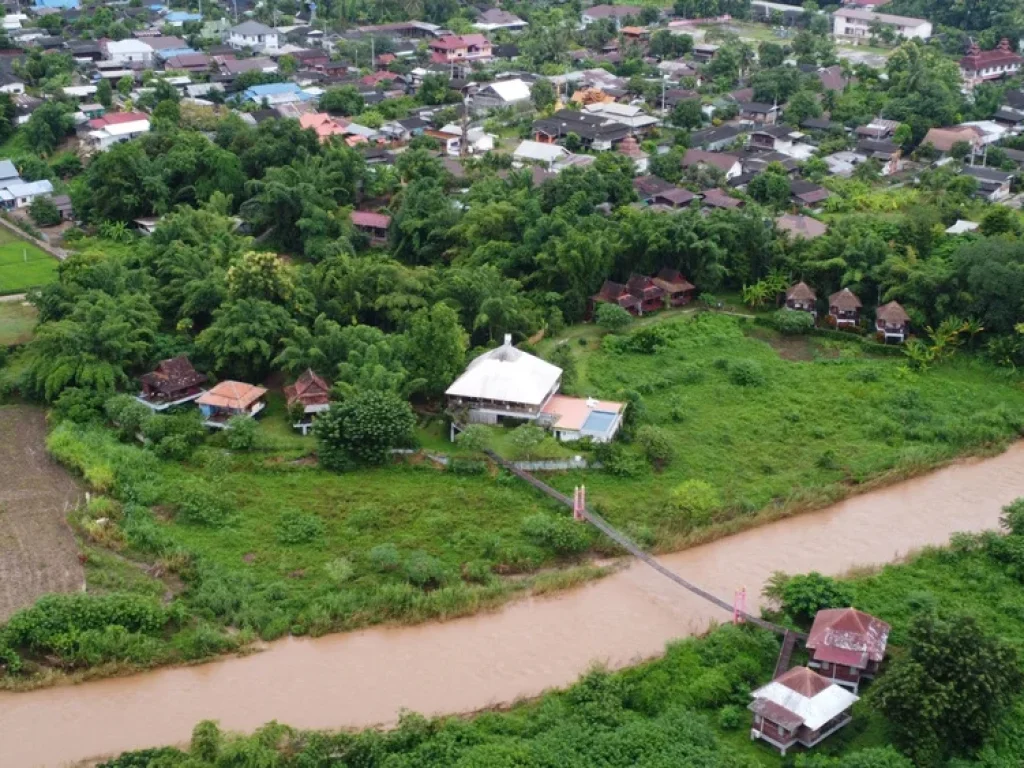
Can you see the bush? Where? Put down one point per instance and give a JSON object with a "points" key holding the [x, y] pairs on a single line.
{"points": [[294, 527], [384, 558], [559, 534], [746, 373], [695, 500], [803, 596], [241, 433], [174, 436], [791, 323], [43, 212], [612, 317], [732, 718], [475, 437], [198, 504], [655, 444], [425, 571], [363, 429], [127, 414], [339, 570]]}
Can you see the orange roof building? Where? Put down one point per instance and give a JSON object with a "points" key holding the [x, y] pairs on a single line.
{"points": [[573, 418], [230, 398]]}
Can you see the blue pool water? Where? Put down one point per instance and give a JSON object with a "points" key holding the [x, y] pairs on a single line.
{"points": [[599, 422]]}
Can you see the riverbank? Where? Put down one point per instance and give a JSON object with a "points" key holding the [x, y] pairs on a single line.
{"points": [[368, 677]]}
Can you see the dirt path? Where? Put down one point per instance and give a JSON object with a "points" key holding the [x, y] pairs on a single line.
{"points": [[365, 678], [38, 553]]}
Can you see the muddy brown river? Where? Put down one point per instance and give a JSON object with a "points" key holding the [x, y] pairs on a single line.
{"points": [[367, 677]]}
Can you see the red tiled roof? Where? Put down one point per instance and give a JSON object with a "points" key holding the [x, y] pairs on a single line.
{"points": [[370, 219], [117, 118], [308, 389], [848, 636], [672, 281], [804, 681], [454, 42]]}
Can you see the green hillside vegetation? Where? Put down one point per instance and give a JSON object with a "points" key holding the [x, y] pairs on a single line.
{"points": [[689, 707]]}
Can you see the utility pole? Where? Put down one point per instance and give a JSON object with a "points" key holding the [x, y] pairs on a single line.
{"points": [[464, 142], [373, 53]]}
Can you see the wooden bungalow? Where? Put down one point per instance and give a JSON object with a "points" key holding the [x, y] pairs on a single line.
{"points": [[312, 393], [678, 289], [374, 225], [847, 645], [802, 298], [799, 707], [652, 296], [844, 307], [616, 293], [229, 399], [893, 322], [172, 382]]}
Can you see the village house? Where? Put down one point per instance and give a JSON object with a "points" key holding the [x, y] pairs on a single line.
{"points": [[651, 295], [312, 394], [892, 321], [800, 227], [574, 418], [189, 62], [674, 198], [104, 132], [374, 225], [943, 139], [253, 34], [618, 294], [594, 132], [844, 307], [678, 290], [634, 118], [647, 187], [20, 194], [993, 184], [847, 645], [174, 381], [716, 139], [855, 24], [759, 112], [718, 198], [887, 153], [229, 399], [495, 18], [513, 92], [807, 193], [799, 707], [539, 153], [802, 298], [728, 164], [125, 52], [456, 48], [615, 12], [978, 65]]}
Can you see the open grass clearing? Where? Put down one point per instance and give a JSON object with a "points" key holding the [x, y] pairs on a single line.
{"points": [[17, 321], [23, 265]]}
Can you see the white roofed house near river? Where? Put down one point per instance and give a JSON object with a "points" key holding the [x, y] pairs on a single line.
{"points": [[507, 384]]}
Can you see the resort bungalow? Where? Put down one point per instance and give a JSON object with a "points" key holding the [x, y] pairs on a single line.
{"points": [[799, 707], [844, 307], [892, 321], [677, 288], [651, 296], [801, 298], [172, 382], [573, 418], [616, 293], [310, 392], [847, 645], [228, 399]]}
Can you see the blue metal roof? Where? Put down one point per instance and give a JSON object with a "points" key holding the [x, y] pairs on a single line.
{"points": [[63, 4]]}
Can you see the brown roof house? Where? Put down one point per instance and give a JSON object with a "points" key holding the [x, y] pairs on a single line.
{"points": [[801, 227], [650, 294], [172, 382], [616, 293], [799, 707], [677, 288], [844, 307], [892, 322], [847, 645], [310, 393], [728, 164], [228, 399], [802, 298], [374, 225], [943, 139]]}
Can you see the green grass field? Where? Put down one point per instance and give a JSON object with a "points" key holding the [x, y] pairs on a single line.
{"points": [[17, 320], [23, 265], [821, 419]]}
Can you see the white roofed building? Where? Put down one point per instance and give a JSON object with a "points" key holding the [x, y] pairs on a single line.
{"points": [[799, 707], [502, 93], [540, 153], [129, 51], [104, 138], [857, 24], [19, 194]]}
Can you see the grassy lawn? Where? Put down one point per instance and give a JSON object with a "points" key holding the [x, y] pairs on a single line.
{"points": [[761, 422], [17, 320], [22, 265]]}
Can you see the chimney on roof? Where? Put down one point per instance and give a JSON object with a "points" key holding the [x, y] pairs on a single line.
{"points": [[508, 339]]}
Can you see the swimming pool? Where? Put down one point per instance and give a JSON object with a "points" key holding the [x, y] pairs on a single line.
{"points": [[599, 422]]}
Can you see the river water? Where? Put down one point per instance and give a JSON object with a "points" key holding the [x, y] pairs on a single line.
{"points": [[366, 678]]}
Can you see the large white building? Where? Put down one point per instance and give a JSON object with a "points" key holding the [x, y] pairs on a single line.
{"points": [[856, 23], [104, 138], [129, 51], [252, 34]]}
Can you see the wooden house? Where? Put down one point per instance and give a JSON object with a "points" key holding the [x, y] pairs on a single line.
{"points": [[677, 288], [844, 307], [374, 225], [172, 382], [312, 393], [616, 293], [802, 298], [229, 399], [847, 645], [799, 707], [893, 322], [651, 296]]}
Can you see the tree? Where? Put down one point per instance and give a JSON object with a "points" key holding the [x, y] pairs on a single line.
{"points": [[999, 219], [543, 95], [43, 212], [525, 438], [435, 89], [105, 93], [771, 189], [125, 85], [436, 347], [48, 126], [655, 444], [612, 317], [953, 683], [344, 100], [960, 150], [246, 334], [1012, 519], [801, 597], [770, 55], [687, 114], [802, 105], [260, 275], [362, 430], [475, 437]]}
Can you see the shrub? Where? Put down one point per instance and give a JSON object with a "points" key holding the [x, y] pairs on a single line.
{"points": [[127, 414], [732, 718], [790, 323], [475, 437], [78, 405], [198, 504], [1012, 519], [43, 212], [695, 500], [363, 429], [202, 642], [560, 534], [425, 571], [612, 317], [746, 373], [525, 438], [339, 570], [241, 433], [295, 527], [174, 436], [655, 444], [803, 596], [384, 558]]}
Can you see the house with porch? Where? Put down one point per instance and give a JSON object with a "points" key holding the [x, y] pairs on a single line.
{"points": [[174, 381], [847, 645], [977, 65], [802, 298], [844, 307], [651, 295], [374, 225], [312, 394], [678, 290], [229, 399], [993, 184], [458, 48], [616, 293], [893, 322], [799, 707]]}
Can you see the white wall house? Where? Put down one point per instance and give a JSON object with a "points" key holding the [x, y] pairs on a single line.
{"points": [[106, 137], [20, 194], [855, 24], [129, 51], [252, 34]]}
